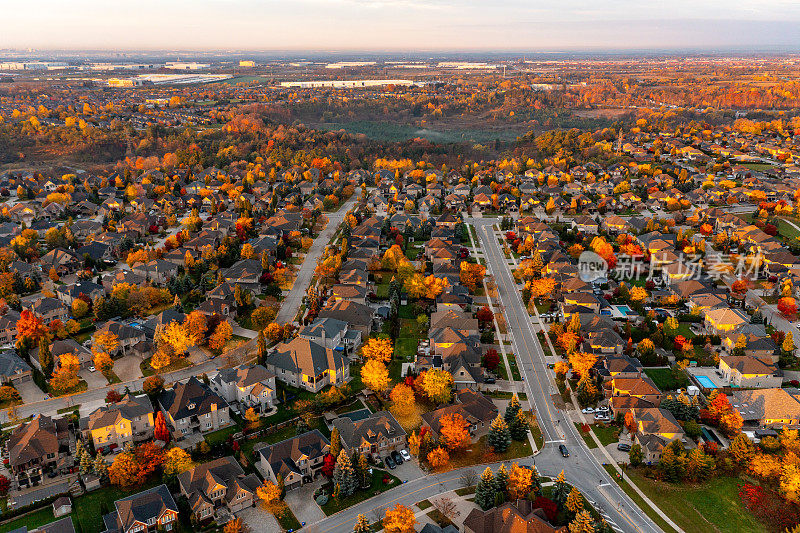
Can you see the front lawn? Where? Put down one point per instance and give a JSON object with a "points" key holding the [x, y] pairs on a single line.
{"points": [[33, 520], [711, 506], [177, 364], [480, 452], [607, 434], [359, 496]]}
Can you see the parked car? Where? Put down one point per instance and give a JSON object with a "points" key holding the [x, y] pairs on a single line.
{"points": [[405, 455], [563, 450], [623, 447], [588, 411], [600, 416], [390, 464], [92, 368], [603, 409], [397, 458], [489, 379]]}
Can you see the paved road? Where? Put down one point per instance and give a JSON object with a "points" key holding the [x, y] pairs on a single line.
{"points": [[54, 404], [581, 468], [292, 302]]}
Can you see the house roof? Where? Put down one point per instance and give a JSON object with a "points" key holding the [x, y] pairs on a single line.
{"points": [[190, 399], [373, 429], [283, 456], [766, 404], [306, 356]]}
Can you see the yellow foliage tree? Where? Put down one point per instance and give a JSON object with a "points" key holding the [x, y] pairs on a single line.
{"points": [[379, 349], [520, 481], [437, 385], [375, 376], [399, 519]]}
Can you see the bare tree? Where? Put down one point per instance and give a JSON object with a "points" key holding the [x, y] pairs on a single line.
{"points": [[447, 507], [468, 478], [377, 513]]}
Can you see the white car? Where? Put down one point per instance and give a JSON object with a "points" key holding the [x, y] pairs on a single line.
{"points": [[600, 416], [92, 369], [587, 411], [603, 409], [405, 455]]}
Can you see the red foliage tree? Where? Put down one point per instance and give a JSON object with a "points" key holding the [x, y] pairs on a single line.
{"points": [[491, 359], [328, 464], [484, 315], [5, 485], [769, 507], [161, 430], [787, 306], [547, 505], [149, 457], [114, 396]]}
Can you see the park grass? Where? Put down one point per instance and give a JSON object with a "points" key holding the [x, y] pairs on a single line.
{"points": [[711, 506], [639, 501], [663, 378]]}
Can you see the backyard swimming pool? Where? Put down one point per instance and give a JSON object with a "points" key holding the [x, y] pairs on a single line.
{"points": [[706, 382]]}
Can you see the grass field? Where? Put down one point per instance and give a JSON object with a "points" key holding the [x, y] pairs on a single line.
{"points": [[376, 487], [663, 378], [712, 506]]}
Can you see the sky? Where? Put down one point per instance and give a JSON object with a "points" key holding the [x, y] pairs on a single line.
{"points": [[399, 25]]}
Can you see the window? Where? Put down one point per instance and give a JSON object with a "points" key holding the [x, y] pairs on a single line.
{"points": [[208, 425]]}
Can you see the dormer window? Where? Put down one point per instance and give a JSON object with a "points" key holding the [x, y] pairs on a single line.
{"points": [[191, 406]]}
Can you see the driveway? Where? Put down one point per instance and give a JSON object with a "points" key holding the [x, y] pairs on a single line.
{"points": [[94, 380], [127, 368], [301, 502], [30, 392], [257, 519], [407, 471]]}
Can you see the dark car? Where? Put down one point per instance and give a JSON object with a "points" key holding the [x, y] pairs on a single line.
{"points": [[397, 458], [389, 463], [489, 380], [563, 450], [623, 447]]}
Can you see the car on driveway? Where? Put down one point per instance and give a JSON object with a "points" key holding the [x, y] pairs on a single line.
{"points": [[587, 411], [405, 455], [600, 416], [397, 458], [563, 450], [623, 447], [390, 464], [92, 368]]}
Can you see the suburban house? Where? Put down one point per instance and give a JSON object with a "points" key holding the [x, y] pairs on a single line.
{"points": [[13, 369], [750, 372], [476, 409], [358, 316], [767, 408], [70, 346], [249, 386], [218, 485], [378, 435], [127, 335], [37, 448], [114, 425], [144, 512], [519, 517], [191, 406], [306, 364], [657, 421], [48, 309], [642, 387], [331, 333], [725, 320], [297, 459]]}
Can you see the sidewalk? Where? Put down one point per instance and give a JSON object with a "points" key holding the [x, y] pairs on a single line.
{"points": [[613, 463]]}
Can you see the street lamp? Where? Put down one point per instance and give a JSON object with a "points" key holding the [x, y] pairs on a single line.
{"points": [[624, 466]]}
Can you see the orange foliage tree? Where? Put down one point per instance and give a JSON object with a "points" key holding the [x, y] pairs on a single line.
{"points": [[453, 431]]}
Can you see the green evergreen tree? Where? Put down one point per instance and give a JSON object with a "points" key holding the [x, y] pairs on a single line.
{"points": [[519, 427], [536, 481], [100, 467], [511, 410], [560, 490], [499, 435], [501, 480], [485, 491], [344, 475]]}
